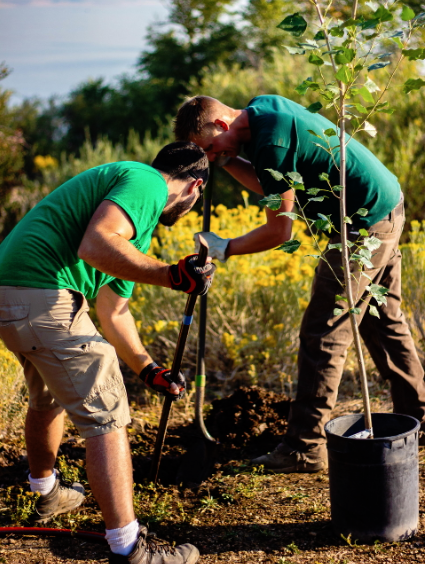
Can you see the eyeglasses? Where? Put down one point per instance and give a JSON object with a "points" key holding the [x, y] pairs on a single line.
{"points": [[201, 186]]}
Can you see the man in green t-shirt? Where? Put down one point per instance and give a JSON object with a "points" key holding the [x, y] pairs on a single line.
{"points": [[279, 134], [88, 239]]}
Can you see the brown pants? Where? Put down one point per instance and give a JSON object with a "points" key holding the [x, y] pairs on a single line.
{"points": [[324, 340]]}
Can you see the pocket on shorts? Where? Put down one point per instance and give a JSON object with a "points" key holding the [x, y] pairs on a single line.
{"points": [[15, 329], [93, 369]]}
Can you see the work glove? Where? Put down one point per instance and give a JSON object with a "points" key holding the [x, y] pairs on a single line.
{"points": [[187, 277], [216, 245], [159, 379]]}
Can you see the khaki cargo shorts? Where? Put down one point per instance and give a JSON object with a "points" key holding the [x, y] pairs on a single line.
{"points": [[66, 361]]}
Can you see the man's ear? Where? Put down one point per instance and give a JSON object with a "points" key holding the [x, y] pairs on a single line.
{"points": [[194, 184], [223, 124]]}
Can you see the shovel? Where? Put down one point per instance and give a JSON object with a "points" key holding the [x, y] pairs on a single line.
{"points": [[178, 355], [199, 458], [200, 379]]}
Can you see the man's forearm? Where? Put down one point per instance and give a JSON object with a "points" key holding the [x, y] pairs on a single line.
{"points": [[120, 330], [243, 171], [114, 255], [256, 241]]}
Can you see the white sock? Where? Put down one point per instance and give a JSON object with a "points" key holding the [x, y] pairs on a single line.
{"points": [[43, 485], [123, 540]]}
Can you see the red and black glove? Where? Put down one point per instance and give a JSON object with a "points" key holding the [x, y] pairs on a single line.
{"points": [[187, 277], [159, 379]]}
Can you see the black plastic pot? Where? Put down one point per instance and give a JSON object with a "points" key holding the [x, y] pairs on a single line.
{"points": [[374, 483]]}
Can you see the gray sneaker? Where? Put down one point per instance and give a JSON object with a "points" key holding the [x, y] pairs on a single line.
{"points": [[64, 497], [285, 460], [150, 550]]}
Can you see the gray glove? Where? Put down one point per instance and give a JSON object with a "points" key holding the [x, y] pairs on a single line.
{"points": [[216, 245]]}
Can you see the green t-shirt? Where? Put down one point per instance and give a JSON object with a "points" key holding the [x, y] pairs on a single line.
{"points": [[280, 140], [42, 250]]}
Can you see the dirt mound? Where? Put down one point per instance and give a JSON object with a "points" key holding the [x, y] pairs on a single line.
{"points": [[250, 415]]}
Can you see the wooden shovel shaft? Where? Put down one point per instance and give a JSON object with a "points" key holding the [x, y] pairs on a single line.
{"points": [[178, 355]]}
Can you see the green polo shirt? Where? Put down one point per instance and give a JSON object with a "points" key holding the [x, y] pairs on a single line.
{"points": [[42, 250], [280, 140]]}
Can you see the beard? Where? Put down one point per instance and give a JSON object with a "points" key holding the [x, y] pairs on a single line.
{"points": [[171, 216]]}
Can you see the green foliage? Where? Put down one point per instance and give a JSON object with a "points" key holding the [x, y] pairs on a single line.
{"points": [[21, 504], [11, 143]]}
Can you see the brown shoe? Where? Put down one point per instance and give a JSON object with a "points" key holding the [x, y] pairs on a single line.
{"points": [[64, 497], [150, 550], [286, 460]]}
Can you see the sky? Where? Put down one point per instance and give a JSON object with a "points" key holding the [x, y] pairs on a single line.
{"points": [[54, 45]]}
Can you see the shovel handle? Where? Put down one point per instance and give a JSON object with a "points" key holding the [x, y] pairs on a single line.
{"points": [[178, 355]]}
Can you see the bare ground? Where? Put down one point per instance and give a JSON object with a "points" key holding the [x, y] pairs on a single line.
{"points": [[237, 514]]}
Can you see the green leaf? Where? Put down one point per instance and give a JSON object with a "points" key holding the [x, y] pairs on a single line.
{"points": [[361, 109], [338, 311], [362, 211], [315, 60], [324, 176], [339, 298], [291, 215], [345, 56], [366, 95], [275, 173], [363, 232], [317, 199], [298, 186], [305, 85], [347, 219], [273, 202], [407, 14], [370, 129], [295, 176], [335, 246], [371, 86], [377, 289], [309, 44], [366, 253], [337, 188], [373, 311], [320, 35], [383, 14], [314, 256], [414, 54], [289, 246], [379, 65], [314, 133], [355, 310], [294, 24], [330, 132], [336, 31], [398, 41], [314, 191], [345, 75], [294, 50], [370, 24], [314, 108], [372, 243], [322, 225], [366, 262], [413, 84]]}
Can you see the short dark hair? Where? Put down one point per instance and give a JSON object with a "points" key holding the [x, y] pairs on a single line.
{"points": [[183, 160], [193, 116]]}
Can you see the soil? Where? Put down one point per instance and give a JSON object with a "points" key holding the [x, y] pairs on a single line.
{"points": [[208, 495]]}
